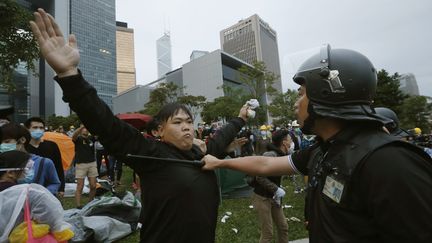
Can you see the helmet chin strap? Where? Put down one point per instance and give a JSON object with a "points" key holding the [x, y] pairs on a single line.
{"points": [[309, 122]]}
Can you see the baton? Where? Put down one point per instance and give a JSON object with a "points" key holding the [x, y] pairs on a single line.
{"points": [[197, 163]]}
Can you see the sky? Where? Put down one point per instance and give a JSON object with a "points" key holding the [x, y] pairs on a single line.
{"points": [[394, 35]]}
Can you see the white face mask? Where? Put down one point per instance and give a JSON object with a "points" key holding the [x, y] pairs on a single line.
{"points": [[291, 149]]}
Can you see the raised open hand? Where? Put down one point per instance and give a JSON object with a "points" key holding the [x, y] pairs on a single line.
{"points": [[61, 56]]}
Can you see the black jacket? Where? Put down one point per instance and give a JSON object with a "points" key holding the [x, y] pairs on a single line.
{"points": [[267, 186], [367, 186], [179, 201]]}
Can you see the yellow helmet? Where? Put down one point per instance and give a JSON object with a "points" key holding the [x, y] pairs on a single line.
{"points": [[417, 131], [263, 127]]}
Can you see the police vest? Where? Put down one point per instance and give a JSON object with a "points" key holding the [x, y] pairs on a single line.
{"points": [[334, 210]]}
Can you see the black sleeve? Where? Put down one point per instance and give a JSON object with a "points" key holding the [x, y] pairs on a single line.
{"points": [[396, 184], [118, 137], [57, 160], [223, 137], [266, 184]]}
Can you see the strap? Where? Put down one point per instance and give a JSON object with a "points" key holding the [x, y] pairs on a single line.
{"points": [[27, 216], [39, 172]]}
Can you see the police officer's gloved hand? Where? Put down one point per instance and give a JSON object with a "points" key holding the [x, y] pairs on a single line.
{"points": [[279, 194]]}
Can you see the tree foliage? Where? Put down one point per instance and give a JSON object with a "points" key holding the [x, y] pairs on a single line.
{"points": [[388, 93], [194, 103], [56, 121], [165, 93], [224, 107], [259, 82], [416, 112], [16, 41], [282, 107]]}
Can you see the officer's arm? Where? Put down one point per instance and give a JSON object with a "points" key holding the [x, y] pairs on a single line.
{"points": [[254, 165]]}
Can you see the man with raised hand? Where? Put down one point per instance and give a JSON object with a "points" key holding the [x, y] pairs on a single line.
{"points": [[180, 201]]}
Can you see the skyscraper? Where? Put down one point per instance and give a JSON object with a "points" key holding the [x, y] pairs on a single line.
{"points": [[163, 52], [408, 84], [93, 23], [252, 40], [126, 76]]}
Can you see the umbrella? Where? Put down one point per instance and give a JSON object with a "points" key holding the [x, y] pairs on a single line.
{"points": [[66, 146], [137, 120]]}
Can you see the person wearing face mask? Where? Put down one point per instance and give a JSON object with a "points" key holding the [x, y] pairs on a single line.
{"points": [[268, 194], [262, 140], [44, 207], [45, 148], [42, 171]]}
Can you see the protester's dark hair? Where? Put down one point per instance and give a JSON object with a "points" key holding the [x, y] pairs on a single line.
{"points": [[13, 159], [15, 131], [152, 125], [170, 110], [279, 136], [33, 119]]}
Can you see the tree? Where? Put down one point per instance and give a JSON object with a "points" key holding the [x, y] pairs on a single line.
{"points": [[194, 103], [282, 107], [224, 107], [388, 93], [16, 41], [259, 81], [165, 93], [56, 121], [415, 113]]}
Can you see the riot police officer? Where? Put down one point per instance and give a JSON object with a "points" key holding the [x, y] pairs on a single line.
{"points": [[364, 184]]}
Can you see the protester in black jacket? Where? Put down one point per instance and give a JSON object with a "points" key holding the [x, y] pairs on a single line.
{"points": [[179, 201]]}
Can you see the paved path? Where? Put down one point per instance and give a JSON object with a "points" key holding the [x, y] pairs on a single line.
{"points": [[306, 240]]}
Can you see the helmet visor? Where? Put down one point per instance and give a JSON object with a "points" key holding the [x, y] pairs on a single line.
{"points": [[316, 67]]}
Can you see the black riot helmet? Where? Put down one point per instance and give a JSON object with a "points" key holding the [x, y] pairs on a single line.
{"points": [[340, 83], [393, 124]]}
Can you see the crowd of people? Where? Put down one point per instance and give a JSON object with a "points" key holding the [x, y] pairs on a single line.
{"points": [[355, 191]]}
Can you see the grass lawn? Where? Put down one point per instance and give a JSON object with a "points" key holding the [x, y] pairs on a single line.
{"points": [[243, 218]]}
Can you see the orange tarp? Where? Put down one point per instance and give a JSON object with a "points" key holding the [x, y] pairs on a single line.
{"points": [[66, 146]]}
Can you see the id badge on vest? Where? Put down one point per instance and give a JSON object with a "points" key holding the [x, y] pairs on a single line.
{"points": [[333, 188]]}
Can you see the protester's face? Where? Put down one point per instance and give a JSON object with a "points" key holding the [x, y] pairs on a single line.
{"points": [[178, 130], [301, 106], [12, 144], [84, 132], [36, 126]]}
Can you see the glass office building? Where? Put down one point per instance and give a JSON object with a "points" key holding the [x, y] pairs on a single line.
{"points": [[93, 23]]}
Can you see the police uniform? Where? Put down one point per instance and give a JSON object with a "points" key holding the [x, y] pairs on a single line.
{"points": [[364, 184], [367, 186]]}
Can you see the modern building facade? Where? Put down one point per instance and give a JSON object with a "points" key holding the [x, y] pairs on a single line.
{"points": [[163, 52], [94, 25], [126, 73], [201, 76], [408, 84], [39, 95], [250, 40]]}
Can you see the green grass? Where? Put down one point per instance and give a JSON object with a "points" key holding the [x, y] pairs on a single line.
{"points": [[243, 218]]}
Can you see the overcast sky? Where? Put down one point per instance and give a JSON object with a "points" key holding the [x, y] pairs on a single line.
{"points": [[395, 35]]}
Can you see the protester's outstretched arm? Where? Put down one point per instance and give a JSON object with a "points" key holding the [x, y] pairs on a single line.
{"points": [[61, 56], [118, 137], [253, 165], [218, 145]]}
